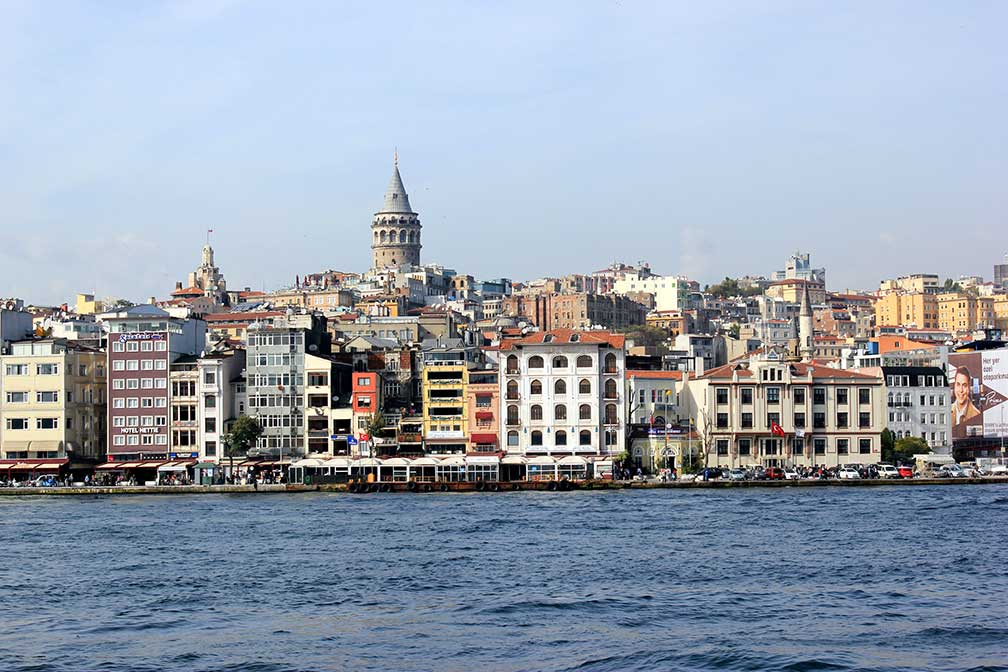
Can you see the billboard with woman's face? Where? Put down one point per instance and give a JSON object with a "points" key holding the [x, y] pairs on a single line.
{"points": [[979, 384]]}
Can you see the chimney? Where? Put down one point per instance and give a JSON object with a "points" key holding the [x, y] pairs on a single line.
{"points": [[178, 285]]}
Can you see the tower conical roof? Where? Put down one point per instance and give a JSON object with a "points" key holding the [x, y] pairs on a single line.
{"points": [[805, 309], [396, 199]]}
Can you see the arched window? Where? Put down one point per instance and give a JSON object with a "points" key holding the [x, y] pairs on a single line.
{"points": [[610, 363], [584, 412], [611, 437], [383, 237], [537, 438], [560, 387], [559, 412], [412, 236], [402, 236], [610, 389], [512, 438], [584, 387], [535, 362], [512, 415], [584, 438], [376, 236], [610, 414], [512, 364], [584, 361], [535, 412], [560, 362], [535, 387], [512, 389], [560, 438], [659, 421]]}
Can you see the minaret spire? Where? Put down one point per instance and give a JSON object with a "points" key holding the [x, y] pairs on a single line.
{"points": [[395, 157]]}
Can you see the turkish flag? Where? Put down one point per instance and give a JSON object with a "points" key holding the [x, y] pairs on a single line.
{"points": [[776, 429]]}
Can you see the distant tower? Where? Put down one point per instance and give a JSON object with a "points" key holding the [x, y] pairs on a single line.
{"points": [[806, 348], [395, 229]]}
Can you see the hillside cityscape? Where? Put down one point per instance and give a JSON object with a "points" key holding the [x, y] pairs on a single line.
{"points": [[408, 366]]}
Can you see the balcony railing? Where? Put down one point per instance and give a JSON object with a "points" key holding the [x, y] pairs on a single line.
{"points": [[513, 422], [410, 438]]}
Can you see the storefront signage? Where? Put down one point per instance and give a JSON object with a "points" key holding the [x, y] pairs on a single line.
{"points": [[141, 336]]}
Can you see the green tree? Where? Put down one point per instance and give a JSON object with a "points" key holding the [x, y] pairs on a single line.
{"points": [[888, 445], [243, 435], [909, 446]]}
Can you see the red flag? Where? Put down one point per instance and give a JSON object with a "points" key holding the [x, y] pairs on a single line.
{"points": [[776, 429]]}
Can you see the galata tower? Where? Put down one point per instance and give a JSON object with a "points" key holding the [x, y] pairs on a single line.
{"points": [[395, 229]]}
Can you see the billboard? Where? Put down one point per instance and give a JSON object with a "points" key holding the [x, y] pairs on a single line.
{"points": [[979, 385]]}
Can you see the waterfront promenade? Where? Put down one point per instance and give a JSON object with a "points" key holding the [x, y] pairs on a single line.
{"points": [[485, 487]]}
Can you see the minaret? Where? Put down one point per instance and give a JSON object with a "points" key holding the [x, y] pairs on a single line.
{"points": [[806, 348], [395, 229]]}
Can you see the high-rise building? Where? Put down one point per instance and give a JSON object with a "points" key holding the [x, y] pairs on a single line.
{"points": [[395, 229]]}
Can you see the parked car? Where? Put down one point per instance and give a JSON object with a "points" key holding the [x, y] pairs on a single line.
{"points": [[887, 471], [998, 470], [774, 474], [758, 474], [951, 471], [905, 471], [848, 473], [737, 475], [791, 474]]}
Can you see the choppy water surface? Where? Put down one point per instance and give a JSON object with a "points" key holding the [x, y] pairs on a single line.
{"points": [[814, 579]]}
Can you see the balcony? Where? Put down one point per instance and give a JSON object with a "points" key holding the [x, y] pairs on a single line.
{"points": [[410, 437], [513, 422], [512, 372]]}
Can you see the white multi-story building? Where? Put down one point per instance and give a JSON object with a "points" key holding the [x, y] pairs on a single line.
{"points": [[563, 392], [217, 405], [670, 292], [917, 401]]}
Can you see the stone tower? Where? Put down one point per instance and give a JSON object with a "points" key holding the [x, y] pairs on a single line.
{"points": [[806, 345], [395, 229]]}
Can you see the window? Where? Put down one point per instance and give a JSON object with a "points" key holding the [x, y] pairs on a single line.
{"points": [[864, 446], [46, 423], [584, 387], [819, 446], [132, 402], [584, 412], [799, 420], [584, 438], [119, 440], [559, 387], [47, 369], [119, 365], [560, 438], [584, 361], [864, 395], [744, 446], [17, 397], [119, 421], [210, 425], [819, 395], [560, 412], [772, 418], [746, 395], [119, 403], [560, 362], [535, 412], [17, 369], [47, 397], [841, 419], [841, 395], [864, 420], [17, 423], [722, 420], [610, 414], [610, 389], [773, 395], [117, 346], [161, 346], [512, 389], [535, 362], [537, 438], [209, 401], [146, 346], [722, 447], [842, 446], [512, 438], [799, 395], [132, 364], [512, 364], [535, 387], [210, 377], [818, 420], [721, 396], [147, 365], [747, 420], [512, 415], [798, 446]]}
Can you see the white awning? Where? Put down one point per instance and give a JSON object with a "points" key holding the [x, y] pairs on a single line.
{"points": [[309, 462], [366, 462], [514, 459], [337, 463], [453, 461], [573, 460], [543, 460], [482, 459], [425, 462], [173, 466], [395, 462]]}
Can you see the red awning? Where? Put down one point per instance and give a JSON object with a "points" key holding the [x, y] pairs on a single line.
{"points": [[484, 438], [484, 415]]}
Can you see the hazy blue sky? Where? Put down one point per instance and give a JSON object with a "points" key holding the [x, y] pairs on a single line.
{"points": [[537, 138]]}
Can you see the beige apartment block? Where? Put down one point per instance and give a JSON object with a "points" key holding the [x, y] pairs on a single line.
{"points": [[53, 401], [914, 309], [960, 314]]}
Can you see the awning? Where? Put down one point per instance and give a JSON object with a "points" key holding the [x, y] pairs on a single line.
{"points": [[337, 463], [453, 461], [173, 466], [309, 462], [482, 459], [48, 446], [425, 462], [395, 462], [573, 460], [366, 462], [49, 466], [487, 437], [545, 460], [514, 459], [129, 465], [109, 466], [12, 446], [22, 466], [484, 415], [205, 465]]}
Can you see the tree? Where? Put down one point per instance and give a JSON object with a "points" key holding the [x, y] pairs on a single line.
{"points": [[888, 444], [243, 434], [705, 427], [909, 446]]}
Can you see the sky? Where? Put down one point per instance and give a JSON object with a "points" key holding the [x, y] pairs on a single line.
{"points": [[534, 139]]}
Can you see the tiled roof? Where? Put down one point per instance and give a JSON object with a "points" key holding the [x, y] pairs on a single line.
{"points": [[642, 373], [801, 369], [563, 336]]}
